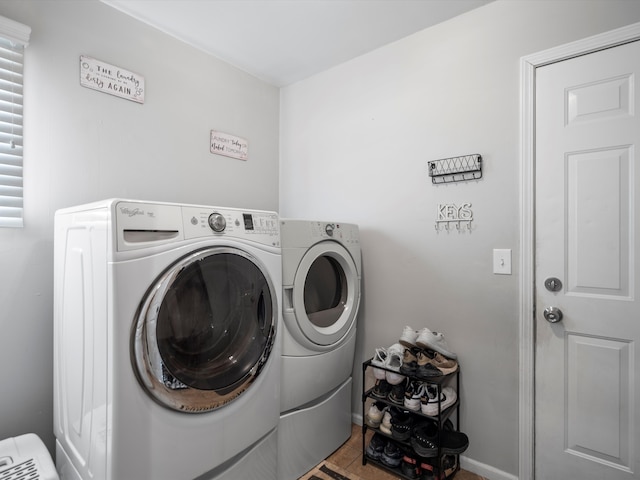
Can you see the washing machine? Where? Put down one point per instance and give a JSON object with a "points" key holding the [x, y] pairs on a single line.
{"points": [[321, 275], [166, 342]]}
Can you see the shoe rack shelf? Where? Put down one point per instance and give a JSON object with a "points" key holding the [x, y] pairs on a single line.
{"points": [[439, 420]]}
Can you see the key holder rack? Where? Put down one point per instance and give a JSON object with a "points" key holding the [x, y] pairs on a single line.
{"points": [[454, 217], [456, 169]]}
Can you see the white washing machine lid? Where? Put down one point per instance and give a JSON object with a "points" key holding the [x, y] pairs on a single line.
{"points": [[322, 303], [205, 329]]}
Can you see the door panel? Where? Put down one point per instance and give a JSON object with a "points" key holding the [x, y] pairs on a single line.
{"points": [[587, 195]]}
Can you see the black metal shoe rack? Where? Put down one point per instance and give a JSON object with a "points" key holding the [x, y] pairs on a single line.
{"points": [[441, 418]]}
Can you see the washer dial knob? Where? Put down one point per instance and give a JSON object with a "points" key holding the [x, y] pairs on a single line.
{"points": [[217, 222], [329, 229]]}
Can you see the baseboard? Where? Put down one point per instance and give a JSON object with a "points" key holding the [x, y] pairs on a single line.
{"points": [[466, 463], [484, 470], [356, 418]]}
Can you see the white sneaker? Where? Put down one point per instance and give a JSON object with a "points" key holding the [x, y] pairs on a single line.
{"points": [[434, 341], [408, 337], [385, 425], [413, 396], [430, 400], [394, 361], [374, 415], [379, 360]]}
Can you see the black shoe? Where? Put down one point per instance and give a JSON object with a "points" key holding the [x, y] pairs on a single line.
{"points": [[424, 439], [449, 464], [392, 455], [381, 389], [401, 425], [410, 361], [429, 469], [410, 466], [396, 395], [376, 446], [453, 443]]}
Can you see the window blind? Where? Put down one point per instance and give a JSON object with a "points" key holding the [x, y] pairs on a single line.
{"points": [[14, 38]]}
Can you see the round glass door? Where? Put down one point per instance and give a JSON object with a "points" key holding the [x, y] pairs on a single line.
{"points": [[326, 294], [205, 330]]}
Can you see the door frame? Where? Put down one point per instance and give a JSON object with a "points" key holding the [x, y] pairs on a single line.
{"points": [[526, 259]]}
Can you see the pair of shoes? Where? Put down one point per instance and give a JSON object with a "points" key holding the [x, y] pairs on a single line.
{"points": [[410, 466], [434, 341], [419, 469], [425, 338], [444, 364], [373, 417], [381, 389], [385, 451], [410, 361], [432, 403], [429, 469], [392, 454], [432, 364], [376, 446], [426, 370], [387, 363]]}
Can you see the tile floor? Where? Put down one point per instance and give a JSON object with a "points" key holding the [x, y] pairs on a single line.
{"points": [[349, 458]]}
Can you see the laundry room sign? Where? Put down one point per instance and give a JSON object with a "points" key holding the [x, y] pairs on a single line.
{"points": [[110, 79], [229, 145]]}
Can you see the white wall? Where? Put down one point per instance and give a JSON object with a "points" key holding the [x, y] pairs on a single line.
{"points": [[82, 145], [355, 142]]}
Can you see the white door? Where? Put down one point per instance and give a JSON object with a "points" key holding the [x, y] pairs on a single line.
{"points": [[587, 239]]}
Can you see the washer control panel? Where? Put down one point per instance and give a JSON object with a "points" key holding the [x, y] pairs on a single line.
{"points": [[141, 224], [258, 226]]}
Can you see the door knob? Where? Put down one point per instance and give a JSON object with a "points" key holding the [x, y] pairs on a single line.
{"points": [[552, 314]]}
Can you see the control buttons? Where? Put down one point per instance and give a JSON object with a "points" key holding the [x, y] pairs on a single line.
{"points": [[329, 229], [217, 222]]}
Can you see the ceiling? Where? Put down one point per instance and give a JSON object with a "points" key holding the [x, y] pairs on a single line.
{"points": [[284, 41]]}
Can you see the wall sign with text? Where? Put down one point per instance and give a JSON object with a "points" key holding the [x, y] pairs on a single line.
{"points": [[229, 145], [110, 79], [451, 216]]}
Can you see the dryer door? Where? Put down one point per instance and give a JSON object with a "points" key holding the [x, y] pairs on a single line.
{"points": [[205, 329], [326, 294]]}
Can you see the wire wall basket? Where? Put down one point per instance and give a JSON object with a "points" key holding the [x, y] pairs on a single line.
{"points": [[456, 169]]}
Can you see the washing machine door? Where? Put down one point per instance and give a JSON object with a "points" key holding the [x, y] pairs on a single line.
{"points": [[205, 330], [325, 295]]}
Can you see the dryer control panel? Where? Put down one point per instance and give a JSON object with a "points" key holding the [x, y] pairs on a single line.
{"points": [[342, 232]]}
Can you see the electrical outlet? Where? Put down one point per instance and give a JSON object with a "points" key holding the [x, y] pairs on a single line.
{"points": [[502, 261]]}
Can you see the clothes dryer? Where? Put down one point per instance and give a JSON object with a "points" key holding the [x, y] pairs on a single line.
{"points": [[321, 274], [166, 342]]}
